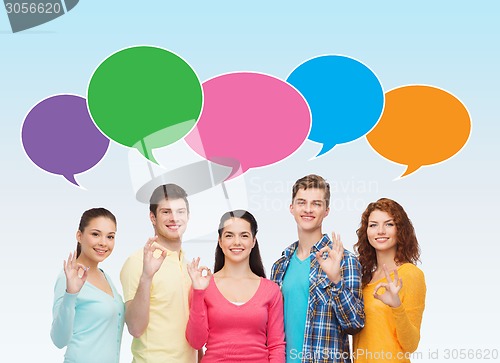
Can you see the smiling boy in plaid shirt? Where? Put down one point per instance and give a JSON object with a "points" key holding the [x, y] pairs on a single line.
{"points": [[320, 282]]}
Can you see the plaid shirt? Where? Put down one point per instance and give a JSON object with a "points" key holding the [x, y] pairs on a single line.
{"points": [[334, 310]]}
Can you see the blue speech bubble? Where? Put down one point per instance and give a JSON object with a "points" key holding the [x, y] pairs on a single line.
{"points": [[345, 97]]}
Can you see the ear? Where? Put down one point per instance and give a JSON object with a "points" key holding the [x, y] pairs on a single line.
{"points": [[254, 240], [152, 218], [78, 235], [327, 211], [291, 208]]}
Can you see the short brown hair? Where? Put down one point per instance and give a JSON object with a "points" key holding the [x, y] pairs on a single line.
{"points": [[315, 182], [166, 192]]}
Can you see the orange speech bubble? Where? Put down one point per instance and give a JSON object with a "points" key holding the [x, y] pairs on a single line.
{"points": [[420, 125]]}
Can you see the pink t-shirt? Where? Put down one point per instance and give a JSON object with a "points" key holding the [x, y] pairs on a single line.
{"points": [[251, 332]]}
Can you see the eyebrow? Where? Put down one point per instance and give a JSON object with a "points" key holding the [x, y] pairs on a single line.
{"points": [[389, 220], [314, 200]]}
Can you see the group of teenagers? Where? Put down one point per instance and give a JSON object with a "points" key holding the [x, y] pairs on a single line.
{"points": [[182, 312]]}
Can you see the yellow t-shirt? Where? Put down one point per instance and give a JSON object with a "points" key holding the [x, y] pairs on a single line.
{"points": [[164, 340], [391, 334]]}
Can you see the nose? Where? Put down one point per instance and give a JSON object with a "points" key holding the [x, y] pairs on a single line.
{"points": [[102, 241], [381, 229]]}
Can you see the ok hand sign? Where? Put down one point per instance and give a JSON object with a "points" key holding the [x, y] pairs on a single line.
{"points": [[74, 281], [151, 264], [199, 281], [330, 263], [390, 297]]}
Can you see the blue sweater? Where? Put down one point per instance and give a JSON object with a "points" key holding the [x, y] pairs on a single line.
{"points": [[89, 323]]}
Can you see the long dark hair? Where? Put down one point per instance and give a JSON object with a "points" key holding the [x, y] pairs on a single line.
{"points": [[255, 260], [407, 248], [89, 215]]}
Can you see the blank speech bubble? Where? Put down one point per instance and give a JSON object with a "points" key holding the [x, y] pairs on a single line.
{"points": [[421, 125]]}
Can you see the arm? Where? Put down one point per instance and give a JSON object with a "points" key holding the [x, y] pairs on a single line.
{"points": [[342, 288], [65, 294], [407, 313], [197, 326], [275, 329], [348, 297], [137, 291], [137, 309], [63, 313]]}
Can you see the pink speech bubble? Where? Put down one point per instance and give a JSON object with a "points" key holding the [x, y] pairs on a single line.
{"points": [[249, 120]]}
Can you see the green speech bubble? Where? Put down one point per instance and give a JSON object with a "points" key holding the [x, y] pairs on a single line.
{"points": [[145, 97]]}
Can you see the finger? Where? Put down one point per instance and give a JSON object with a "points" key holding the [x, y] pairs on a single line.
{"points": [[339, 243], [85, 274], [81, 266], [378, 287], [396, 277], [334, 238], [387, 273]]}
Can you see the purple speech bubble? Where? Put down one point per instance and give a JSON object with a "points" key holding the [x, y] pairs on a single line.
{"points": [[60, 137]]}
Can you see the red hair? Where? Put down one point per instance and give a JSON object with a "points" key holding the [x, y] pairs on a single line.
{"points": [[407, 249]]}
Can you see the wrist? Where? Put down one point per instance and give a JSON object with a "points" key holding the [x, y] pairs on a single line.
{"points": [[146, 278]]}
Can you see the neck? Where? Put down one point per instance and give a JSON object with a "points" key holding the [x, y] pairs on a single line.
{"points": [[386, 258], [171, 245], [87, 262], [236, 270], [307, 239]]}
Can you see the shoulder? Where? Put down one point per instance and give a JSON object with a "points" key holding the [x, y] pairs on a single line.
{"points": [[269, 284], [134, 258], [60, 281], [350, 259], [413, 278], [132, 267], [270, 289], [411, 271]]}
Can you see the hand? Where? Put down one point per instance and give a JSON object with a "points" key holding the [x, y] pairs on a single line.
{"points": [[199, 281], [150, 263], [331, 264], [74, 281], [390, 297]]}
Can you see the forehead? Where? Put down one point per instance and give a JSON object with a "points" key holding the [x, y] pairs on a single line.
{"points": [[102, 223], [379, 215], [174, 204], [310, 194], [236, 225]]}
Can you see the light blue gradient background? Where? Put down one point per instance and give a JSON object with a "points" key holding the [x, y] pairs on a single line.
{"points": [[454, 205]]}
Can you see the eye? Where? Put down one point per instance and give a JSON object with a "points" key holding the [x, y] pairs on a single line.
{"points": [[95, 234], [111, 237], [390, 224], [372, 225]]}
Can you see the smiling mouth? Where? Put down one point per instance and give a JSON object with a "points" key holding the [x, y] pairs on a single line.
{"points": [[382, 239], [100, 251], [307, 218], [236, 250], [173, 227]]}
